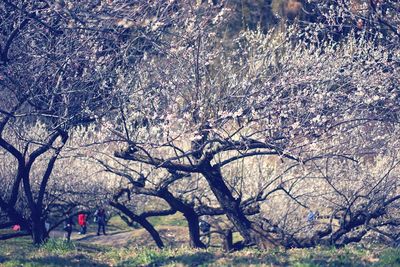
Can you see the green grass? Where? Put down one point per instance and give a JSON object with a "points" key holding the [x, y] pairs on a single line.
{"points": [[145, 258], [390, 257], [156, 257], [58, 246], [236, 237], [19, 252], [56, 252], [176, 219], [116, 224]]}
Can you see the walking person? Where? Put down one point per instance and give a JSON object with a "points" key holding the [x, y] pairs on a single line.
{"points": [[82, 223], [68, 225], [101, 220]]}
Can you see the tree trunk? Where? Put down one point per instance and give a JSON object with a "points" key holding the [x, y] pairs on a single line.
{"points": [[39, 233], [142, 221], [152, 231], [194, 231], [251, 233], [190, 215], [228, 240]]}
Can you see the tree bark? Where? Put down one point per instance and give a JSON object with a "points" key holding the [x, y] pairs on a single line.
{"points": [[39, 233], [152, 231], [142, 221], [190, 215], [251, 233], [194, 230], [228, 240]]}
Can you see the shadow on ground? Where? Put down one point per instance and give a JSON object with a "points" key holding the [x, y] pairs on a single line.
{"points": [[75, 260], [197, 259]]}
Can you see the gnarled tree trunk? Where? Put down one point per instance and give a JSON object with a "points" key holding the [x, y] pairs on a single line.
{"points": [[190, 215], [142, 221], [251, 232], [39, 232]]}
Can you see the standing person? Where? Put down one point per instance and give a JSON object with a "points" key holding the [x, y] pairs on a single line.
{"points": [[205, 235], [82, 223], [101, 220], [68, 225]]}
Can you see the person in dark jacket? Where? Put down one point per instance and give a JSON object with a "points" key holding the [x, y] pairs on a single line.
{"points": [[205, 229], [101, 220], [68, 223]]}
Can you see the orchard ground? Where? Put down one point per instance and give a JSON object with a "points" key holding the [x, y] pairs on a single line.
{"points": [[133, 247]]}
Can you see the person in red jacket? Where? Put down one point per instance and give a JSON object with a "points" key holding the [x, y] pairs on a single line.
{"points": [[82, 222]]}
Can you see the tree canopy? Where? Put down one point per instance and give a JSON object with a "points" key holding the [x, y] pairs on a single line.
{"points": [[262, 112]]}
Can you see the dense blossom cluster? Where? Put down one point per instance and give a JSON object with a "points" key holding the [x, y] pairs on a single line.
{"points": [[177, 107]]}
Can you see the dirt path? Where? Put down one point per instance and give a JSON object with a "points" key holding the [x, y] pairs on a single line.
{"points": [[175, 236]]}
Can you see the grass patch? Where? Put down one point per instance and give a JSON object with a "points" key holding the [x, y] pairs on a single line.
{"points": [[348, 256], [20, 252], [156, 257], [176, 219], [58, 246], [116, 224], [390, 257], [56, 252], [236, 237], [146, 257]]}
